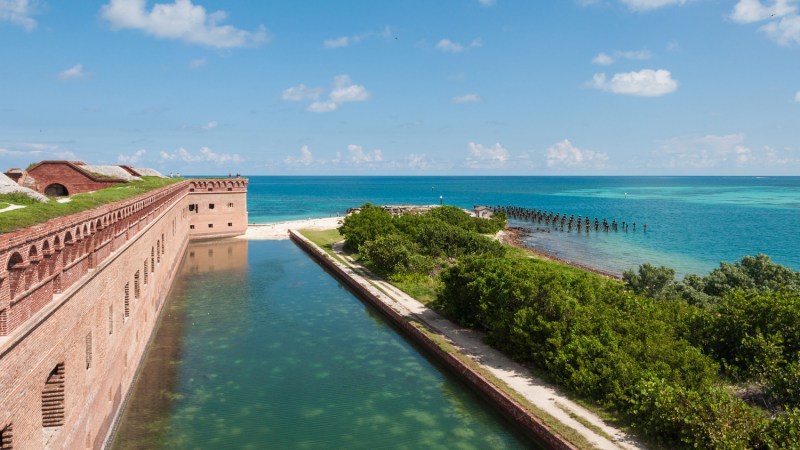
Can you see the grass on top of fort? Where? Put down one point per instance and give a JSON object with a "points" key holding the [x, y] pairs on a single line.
{"points": [[36, 212]]}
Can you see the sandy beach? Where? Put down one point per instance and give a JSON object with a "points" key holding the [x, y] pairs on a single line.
{"points": [[280, 230]]}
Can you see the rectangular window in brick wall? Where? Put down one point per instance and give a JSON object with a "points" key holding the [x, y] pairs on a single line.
{"points": [[210, 206], [230, 224], [89, 350], [136, 291], [191, 227], [230, 205], [53, 398], [211, 225]]}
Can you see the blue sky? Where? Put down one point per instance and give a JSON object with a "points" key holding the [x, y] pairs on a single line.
{"points": [[364, 87]]}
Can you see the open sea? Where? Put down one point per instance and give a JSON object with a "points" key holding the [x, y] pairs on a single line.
{"points": [[693, 223]]}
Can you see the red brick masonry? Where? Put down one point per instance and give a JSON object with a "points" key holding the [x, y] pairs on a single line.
{"points": [[79, 298]]}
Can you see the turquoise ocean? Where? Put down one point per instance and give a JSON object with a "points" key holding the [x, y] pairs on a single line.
{"points": [[693, 223]]}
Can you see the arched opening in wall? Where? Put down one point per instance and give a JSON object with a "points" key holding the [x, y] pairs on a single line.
{"points": [[7, 437], [56, 190], [136, 291], [53, 398], [14, 273]]}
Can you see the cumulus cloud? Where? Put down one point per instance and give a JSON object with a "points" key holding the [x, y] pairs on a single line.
{"points": [[706, 152], [482, 157], [343, 91], [417, 161], [131, 159], [644, 83], [359, 156], [750, 11], [565, 154], [73, 73], [301, 92], [181, 20], [346, 41], [466, 98], [448, 46], [205, 155], [18, 12], [648, 5], [782, 22], [36, 150], [604, 59], [305, 158]]}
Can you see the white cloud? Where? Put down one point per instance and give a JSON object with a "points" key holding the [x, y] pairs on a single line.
{"points": [[466, 98], [749, 11], [305, 158], [604, 59], [38, 150], [648, 5], [565, 154], [784, 31], [782, 21], [359, 156], [797, 96], [417, 161], [131, 159], [448, 46], [346, 41], [710, 151], [197, 63], [481, 157], [487, 2], [209, 126], [73, 73], [18, 12], [644, 83], [343, 91], [181, 20], [321, 107], [205, 155], [301, 92]]}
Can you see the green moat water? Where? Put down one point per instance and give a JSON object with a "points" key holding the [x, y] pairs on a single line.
{"points": [[258, 347]]}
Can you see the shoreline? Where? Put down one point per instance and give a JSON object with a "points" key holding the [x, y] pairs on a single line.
{"points": [[513, 236]]}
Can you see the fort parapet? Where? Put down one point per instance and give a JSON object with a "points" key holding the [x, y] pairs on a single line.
{"points": [[79, 298]]}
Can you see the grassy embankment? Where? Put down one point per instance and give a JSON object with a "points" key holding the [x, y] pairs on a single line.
{"points": [[36, 212]]}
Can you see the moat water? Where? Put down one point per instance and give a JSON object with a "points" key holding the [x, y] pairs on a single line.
{"points": [[258, 347]]}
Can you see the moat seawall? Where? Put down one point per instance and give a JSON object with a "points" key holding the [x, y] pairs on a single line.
{"points": [[79, 298], [530, 424]]}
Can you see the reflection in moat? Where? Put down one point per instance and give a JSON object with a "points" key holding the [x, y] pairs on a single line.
{"points": [[260, 348]]}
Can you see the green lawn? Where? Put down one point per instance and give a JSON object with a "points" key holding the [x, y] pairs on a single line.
{"points": [[36, 212], [323, 238]]}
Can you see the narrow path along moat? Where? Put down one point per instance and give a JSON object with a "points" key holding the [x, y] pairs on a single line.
{"points": [[260, 348]]}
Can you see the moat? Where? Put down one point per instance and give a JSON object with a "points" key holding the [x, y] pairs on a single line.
{"points": [[258, 347]]}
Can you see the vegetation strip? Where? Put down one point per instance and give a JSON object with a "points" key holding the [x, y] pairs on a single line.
{"points": [[36, 212], [705, 362]]}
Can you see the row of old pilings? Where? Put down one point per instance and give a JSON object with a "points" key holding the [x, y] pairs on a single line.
{"points": [[562, 222]]}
